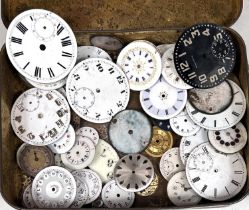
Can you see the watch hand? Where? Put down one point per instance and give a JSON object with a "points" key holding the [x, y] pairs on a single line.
{"points": [[36, 158]]}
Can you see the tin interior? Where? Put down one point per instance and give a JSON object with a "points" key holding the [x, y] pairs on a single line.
{"points": [[153, 20]]}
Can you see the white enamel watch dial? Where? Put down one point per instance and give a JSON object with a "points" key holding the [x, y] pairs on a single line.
{"points": [[141, 63], [169, 71], [163, 101], [188, 143], [65, 143], [183, 125], [89, 132], [213, 175], [114, 197], [180, 192], [85, 52], [93, 182], [97, 89], [48, 86], [41, 46], [27, 198], [163, 47], [80, 155], [54, 187], [40, 117], [81, 193], [104, 161], [226, 119], [230, 140], [170, 163]]}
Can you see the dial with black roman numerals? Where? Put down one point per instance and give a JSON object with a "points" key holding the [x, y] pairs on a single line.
{"points": [[41, 46], [222, 120], [204, 55], [213, 175], [97, 89]]}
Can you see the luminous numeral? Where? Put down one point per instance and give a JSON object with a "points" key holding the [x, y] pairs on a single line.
{"points": [[66, 41], [59, 29], [51, 73], [187, 42], [21, 27], [37, 72], [184, 66], [16, 40]]}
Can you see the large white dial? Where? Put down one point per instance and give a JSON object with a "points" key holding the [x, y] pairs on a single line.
{"points": [[41, 46]]}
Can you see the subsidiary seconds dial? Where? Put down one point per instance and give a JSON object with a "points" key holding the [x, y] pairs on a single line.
{"points": [[41, 46], [204, 55]]}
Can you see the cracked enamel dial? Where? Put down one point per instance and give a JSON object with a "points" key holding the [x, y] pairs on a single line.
{"points": [[34, 123], [65, 143], [115, 197], [204, 55], [90, 133], [225, 119], [213, 175], [180, 192], [230, 140], [33, 38], [141, 63], [104, 161], [170, 163], [97, 89], [188, 143], [169, 72], [27, 198], [32, 159], [183, 125], [93, 182], [163, 101], [80, 155], [54, 187], [85, 52]]}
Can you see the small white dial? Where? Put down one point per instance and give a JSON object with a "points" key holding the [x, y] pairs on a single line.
{"points": [[27, 198], [41, 46], [97, 89], [40, 117], [90, 133], [141, 63], [213, 175], [115, 197], [180, 192]]}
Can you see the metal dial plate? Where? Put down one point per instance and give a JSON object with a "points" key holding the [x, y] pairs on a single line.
{"points": [[151, 189], [204, 55], [107, 43], [89, 86], [230, 140], [169, 71], [85, 52], [93, 182], [81, 154], [163, 101], [188, 143], [104, 161], [130, 131], [213, 175], [162, 48], [34, 123], [27, 198], [183, 125], [209, 101], [32, 159], [48, 86], [134, 173], [33, 38], [54, 187], [180, 192], [65, 143], [160, 143], [226, 119], [141, 63], [171, 163], [90, 133], [115, 197], [81, 193]]}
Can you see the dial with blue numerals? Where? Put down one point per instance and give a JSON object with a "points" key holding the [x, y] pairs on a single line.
{"points": [[41, 46]]}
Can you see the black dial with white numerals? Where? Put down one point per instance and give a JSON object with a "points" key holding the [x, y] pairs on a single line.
{"points": [[41, 46], [97, 89], [213, 175], [204, 55]]}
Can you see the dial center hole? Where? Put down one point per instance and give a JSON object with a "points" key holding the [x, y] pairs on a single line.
{"points": [[133, 172], [157, 141], [44, 27], [118, 195], [130, 132], [216, 170], [98, 90], [53, 189], [40, 115], [138, 66], [185, 120], [77, 152], [42, 47]]}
